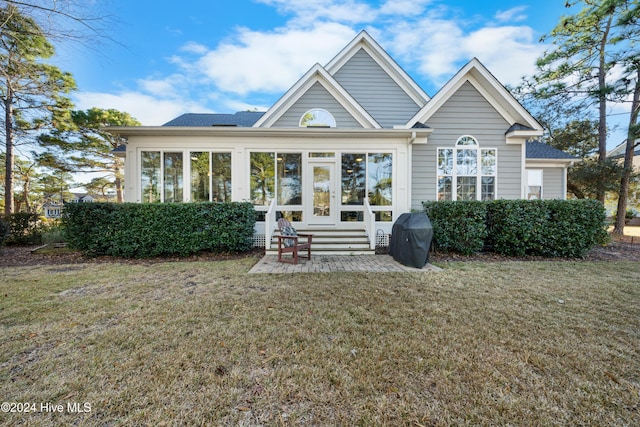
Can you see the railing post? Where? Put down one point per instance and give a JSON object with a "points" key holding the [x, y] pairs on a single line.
{"points": [[370, 224], [269, 224]]}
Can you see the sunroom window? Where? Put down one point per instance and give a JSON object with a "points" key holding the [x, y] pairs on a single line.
{"points": [[162, 177], [277, 175], [467, 172], [210, 176], [370, 175]]}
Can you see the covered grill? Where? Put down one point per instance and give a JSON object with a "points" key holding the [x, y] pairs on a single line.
{"points": [[411, 239]]}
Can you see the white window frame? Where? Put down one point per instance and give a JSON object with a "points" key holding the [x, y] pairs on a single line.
{"points": [[322, 110], [539, 182], [478, 175]]}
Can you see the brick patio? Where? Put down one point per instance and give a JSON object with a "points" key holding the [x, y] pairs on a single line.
{"points": [[334, 263]]}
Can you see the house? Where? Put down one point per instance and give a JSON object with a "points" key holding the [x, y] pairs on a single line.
{"points": [[619, 151], [52, 209], [350, 146], [82, 198]]}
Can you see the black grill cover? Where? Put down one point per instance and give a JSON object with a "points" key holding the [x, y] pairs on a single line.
{"points": [[411, 239]]}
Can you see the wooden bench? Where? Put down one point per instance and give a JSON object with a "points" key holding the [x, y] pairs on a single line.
{"points": [[289, 242]]}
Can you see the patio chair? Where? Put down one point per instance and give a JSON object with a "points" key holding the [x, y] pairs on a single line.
{"points": [[289, 242]]}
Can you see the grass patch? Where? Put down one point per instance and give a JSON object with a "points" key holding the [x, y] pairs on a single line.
{"points": [[206, 344]]}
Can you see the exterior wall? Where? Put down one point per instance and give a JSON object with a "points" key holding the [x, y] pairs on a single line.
{"points": [[241, 147], [554, 182], [378, 93], [317, 97], [467, 112]]}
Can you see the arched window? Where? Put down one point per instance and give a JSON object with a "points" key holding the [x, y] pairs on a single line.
{"points": [[467, 172], [317, 117]]}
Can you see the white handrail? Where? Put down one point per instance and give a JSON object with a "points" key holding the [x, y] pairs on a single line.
{"points": [[369, 223], [269, 224]]}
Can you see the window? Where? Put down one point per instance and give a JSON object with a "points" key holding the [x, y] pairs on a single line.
{"points": [[173, 182], [534, 184], [353, 178], [379, 179], [277, 176], [289, 178], [262, 178], [150, 176], [370, 175], [467, 172], [161, 177], [317, 118], [210, 177]]}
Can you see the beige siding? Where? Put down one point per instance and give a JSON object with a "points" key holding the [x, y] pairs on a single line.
{"points": [[317, 97], [467, 112], [378, 93]]}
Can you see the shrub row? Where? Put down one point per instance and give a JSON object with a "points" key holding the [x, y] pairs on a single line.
{"points": [[21, 229], [4, 231], [552, 228], [134, 230]]}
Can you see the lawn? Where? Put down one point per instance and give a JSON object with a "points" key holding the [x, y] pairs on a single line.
{"points": [[203, 343]]}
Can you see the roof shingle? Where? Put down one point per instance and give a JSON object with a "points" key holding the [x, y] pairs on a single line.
{"points": [[239, 119]]}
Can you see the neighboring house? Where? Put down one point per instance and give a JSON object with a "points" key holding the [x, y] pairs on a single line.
{"points": [[52, 209], [619, 151], [352, 145], [82, 198]]}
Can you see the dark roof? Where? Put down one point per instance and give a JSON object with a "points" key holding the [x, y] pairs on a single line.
{"points": [[240, 119], [539, 150], [518, 126], [420, 125]]}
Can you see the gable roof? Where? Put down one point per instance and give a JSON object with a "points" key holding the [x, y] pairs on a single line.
{"points": [[539, 150], [484, 82], [240, 119], [317, 74], [365, 42]]}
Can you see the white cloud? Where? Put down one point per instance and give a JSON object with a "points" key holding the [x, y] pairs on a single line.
{"points": [[430, 40], [403, 7], [149, 110], [194, 47], [306, 12], [274, 61], [515, 14], [509, 52]]}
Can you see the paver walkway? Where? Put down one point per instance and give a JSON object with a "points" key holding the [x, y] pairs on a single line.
{"points": [[331, 263]]}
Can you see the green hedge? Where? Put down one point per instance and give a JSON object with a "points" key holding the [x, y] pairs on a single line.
{"points": [[458, 226], [552, 228], [135, 230], [4, 231], [22, 228]]}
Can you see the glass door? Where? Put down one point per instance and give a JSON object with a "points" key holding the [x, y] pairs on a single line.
{"points": [[323, 206]]}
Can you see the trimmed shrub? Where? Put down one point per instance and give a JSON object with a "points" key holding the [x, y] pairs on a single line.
{"points": [[516, 226], [4, 231], [458, 226], [134, 230], [551, 228], [24, 228]]}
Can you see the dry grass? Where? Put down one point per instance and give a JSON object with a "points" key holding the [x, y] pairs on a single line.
{"points": [[519, 343]]}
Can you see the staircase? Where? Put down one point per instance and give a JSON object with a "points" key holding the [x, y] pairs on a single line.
{"points": [[332, 241]]}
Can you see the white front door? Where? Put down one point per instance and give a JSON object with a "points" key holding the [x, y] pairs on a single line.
{"points": [[322, 208]]}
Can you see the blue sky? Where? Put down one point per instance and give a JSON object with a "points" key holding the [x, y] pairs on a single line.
{"points": [[168, 58]]}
